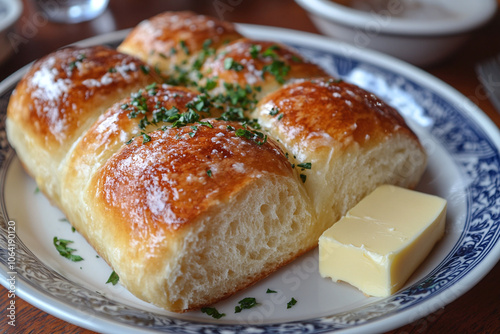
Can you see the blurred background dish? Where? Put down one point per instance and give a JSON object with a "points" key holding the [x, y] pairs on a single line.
{"points": [[422, 32], [10, 11], [72, 11]]}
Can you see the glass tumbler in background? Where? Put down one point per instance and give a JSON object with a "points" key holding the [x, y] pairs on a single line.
{"points": [[72, 11]]}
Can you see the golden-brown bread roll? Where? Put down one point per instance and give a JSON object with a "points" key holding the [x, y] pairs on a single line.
{"points": [[188, 215], [172, 41], [345, 141], [187, 205], [60, 96], [261, 65]]}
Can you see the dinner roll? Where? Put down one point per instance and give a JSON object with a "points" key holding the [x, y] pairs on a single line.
{"points": [[262, 66], [344, 140], [171, 42], [59, 97]]}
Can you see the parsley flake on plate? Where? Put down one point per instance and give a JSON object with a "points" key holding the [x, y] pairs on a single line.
{"points": [[63, 249], [113, 278], [212, 311], [245, 303], [291, 303]]}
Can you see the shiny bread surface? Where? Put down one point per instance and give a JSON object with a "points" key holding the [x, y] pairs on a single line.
{"points": [[179, 173], [175, 39], [65, 89], [263, 65], [325, 111]]}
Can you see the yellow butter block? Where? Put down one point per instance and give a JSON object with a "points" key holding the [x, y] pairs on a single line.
{"points": [[380, 242]]}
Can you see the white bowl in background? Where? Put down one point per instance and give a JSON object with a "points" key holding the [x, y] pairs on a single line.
{"points": [[422, 32], [10, 11]]}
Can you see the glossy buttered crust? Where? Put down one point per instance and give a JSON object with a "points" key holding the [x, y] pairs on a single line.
{"points": [[325, 112], [143, 202], [188, 210], [69, 88], [60, 96], [173, 39], [352, 140], [263, 64]]}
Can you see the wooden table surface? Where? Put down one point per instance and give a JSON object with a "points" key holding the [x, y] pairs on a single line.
{"points": [[477, 311]]}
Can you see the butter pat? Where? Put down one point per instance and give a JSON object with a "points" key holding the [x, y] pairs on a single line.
{"points": [[380, 242]]}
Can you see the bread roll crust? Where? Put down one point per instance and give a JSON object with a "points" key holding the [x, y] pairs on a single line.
{"points": [[174, 39], [324, 112], [150, 197], [62, 91], [185, 170], [59, 97], [263, 64], [351, 140]]}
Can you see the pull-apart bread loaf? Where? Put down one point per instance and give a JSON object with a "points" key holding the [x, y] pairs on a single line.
{"points": [[209, 165]]}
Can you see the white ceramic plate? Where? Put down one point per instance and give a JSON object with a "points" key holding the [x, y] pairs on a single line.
{"points": [[463, 147]]}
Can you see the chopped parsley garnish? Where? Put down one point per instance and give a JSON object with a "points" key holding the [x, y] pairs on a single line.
{"points": [[209, 85], [233, 114], [192, 133], [254, 50], [200, 103], [237, 96], [163, 114], [271, 291], [145, 69], [209, 173], [185, 118], [207, 124], [278, 69], [202, 56], [206, 44], [74, 63], [245, 303], [231, 64], [257, 137], [291, 303], [137, 105], [112, 70], [143, 123], [270, 52], [305, 165], [274, 111], [180, 78], [145, 138], [184, 47], [63, 249], [303, 177], [212, 311], [152, 89], [113, 278]]}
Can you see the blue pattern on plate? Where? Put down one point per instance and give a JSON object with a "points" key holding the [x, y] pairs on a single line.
{"points": [[469, 146]]}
